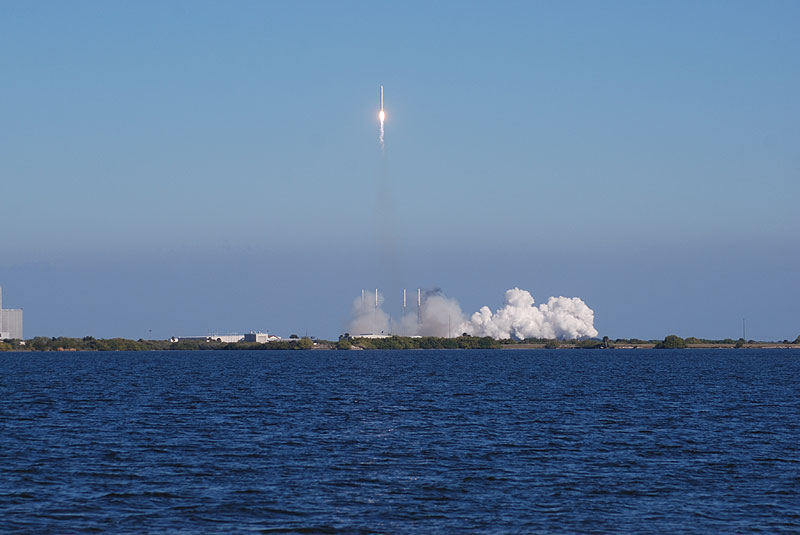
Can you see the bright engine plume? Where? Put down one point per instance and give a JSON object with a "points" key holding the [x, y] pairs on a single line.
{"points": [[382, 116]]}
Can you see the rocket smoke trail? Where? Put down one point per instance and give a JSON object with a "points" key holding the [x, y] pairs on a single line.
{"points": [[385, 220], [385, 223], [381, 116]]}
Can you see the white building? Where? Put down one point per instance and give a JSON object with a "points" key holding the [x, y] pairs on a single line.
{"points": [[10, 321], [223, 338], [261, 338]]}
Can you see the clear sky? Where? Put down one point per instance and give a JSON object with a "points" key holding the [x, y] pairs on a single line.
{"points": [[187, 167]]}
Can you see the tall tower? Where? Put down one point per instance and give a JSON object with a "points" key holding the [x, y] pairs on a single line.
{"points": [[10, 321], [375, 315], [419, 306]]}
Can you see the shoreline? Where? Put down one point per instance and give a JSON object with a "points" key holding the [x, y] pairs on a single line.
{"points": [[332, 347], [765, 345], [346, 343]]}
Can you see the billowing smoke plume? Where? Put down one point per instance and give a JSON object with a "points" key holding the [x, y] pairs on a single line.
{"points": [[439, 316], [561, 317], [368, 316]]}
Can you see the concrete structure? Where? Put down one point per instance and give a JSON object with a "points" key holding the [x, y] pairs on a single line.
{"points": [[261, 338], [10, 321]]}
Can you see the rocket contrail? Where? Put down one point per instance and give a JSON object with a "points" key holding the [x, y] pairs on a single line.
{"points": [[381, 116]]}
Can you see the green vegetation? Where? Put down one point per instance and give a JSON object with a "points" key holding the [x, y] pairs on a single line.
{"points": [[61, 343], [426, 342], [9, 345], [706, 341], [120, 344], [346, 342], [89, 343], [588, 344], [632, 342], [672, 342]]}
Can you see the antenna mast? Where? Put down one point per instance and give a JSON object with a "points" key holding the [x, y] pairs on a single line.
{"points": [[419, 306]]}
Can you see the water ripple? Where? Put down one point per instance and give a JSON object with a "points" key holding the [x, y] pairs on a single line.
{"points": [[412, 442]]}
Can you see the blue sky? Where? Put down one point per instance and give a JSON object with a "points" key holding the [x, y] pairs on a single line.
{"points": [[185, 167]]}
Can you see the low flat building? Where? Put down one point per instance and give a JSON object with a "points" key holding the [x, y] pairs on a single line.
{"points": [[257, 337], [261, 338], [220, 338], [10, 321]]}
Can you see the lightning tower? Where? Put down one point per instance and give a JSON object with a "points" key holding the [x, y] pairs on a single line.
{"points": [[419, 306]]}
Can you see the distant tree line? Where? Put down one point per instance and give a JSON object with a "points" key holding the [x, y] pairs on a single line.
{"points": [[88, 343], [425, 342]]}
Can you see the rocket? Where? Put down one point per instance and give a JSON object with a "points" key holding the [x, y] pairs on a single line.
{"points": [[381, 118]]}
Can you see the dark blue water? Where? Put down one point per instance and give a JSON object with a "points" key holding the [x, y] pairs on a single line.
{"points": [[409, 442]]}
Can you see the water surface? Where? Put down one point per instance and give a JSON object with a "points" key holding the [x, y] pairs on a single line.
{"points": [[572, 441]]}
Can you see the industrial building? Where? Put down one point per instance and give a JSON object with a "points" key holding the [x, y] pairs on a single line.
{"points": [[10, 321], [259, 337], [223, 338]]}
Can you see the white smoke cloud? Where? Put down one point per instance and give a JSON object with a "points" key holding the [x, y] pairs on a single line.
{"points": [[368, 318], [440, 316], [561, 317]]}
